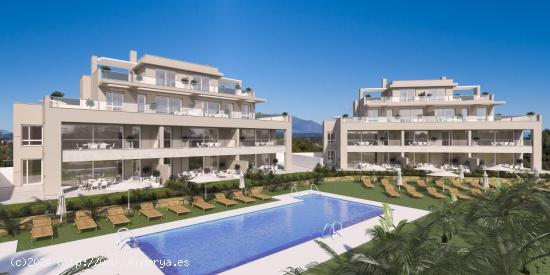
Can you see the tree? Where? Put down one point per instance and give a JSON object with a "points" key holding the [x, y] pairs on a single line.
{"points": [[57, 94]]}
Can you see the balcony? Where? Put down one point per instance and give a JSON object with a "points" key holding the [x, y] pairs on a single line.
{"points": [[453, 98], [434, 119], [96, 105], [173, 83]]}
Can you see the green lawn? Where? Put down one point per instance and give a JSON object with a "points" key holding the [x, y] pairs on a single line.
{"points": [[67, 232]]}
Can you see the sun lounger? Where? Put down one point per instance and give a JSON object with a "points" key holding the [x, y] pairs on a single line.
{"points": [[176, 207], [459, 185], [477, 192], [83, 220], [421, 183], [475, 185], [412, 191], [41, 227], [220, 198], [442, 185], [255, 193], [148, 210], [391, 191], [367, 183], [457, 193], [116, 216], [238, 195], [200, 203], [434, 193]]}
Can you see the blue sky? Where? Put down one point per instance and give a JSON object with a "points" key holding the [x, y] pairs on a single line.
{"points": [[306, 57]]}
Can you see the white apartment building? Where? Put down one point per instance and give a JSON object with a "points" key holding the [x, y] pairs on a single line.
{"points": [[437, 121], [140, 115]]}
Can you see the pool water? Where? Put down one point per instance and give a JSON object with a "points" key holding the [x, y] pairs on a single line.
{"points": [[219, 245]]}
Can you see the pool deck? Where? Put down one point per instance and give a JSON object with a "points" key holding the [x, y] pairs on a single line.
{"points": [[132, 261]]}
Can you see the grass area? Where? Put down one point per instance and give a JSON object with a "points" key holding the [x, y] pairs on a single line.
{"points": [[68, 232]]}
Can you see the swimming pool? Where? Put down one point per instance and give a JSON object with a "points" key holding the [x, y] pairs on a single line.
{"points": [[219, 245]]}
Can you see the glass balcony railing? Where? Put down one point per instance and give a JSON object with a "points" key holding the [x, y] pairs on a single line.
{"points": [[97, 105], [428, 98], [190, 85], [114, 144], [421, 119]]}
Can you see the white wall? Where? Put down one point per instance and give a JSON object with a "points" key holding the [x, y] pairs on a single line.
{"points": [[307, 160]]}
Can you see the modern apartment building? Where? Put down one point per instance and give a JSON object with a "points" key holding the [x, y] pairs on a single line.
{"points": [[431, 121], [140, 115]]}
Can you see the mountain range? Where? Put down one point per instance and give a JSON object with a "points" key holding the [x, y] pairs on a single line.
{"points": [[306, 128], [5, 134]]}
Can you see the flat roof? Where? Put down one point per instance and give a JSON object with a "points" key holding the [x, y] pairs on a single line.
{"points": [[177, 64]]}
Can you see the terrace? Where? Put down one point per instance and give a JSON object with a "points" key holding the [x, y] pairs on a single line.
{"points": [[125, 107]]}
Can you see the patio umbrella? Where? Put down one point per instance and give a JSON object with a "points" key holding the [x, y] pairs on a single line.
{"points": [[428, 168], [61, 207], [499, 168], [129, 185], [399, 178], [485, 181], [241, 182], [445, 174], [374, 168]]}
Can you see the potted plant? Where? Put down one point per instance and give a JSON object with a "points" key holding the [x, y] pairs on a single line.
{"points": [[194, 82], [153, 106], [105, 68], [454, 161], [485, 93], [185, 80], [368, 95], [90, 103], [476, 139], [422, 94], [530, 113], [146, 170], [345, 115], [237, 87], [285, 114], [238, 168], [433, 139], [248, 90]]}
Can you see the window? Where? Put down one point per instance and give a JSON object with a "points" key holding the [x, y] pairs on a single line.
{"points": [[407, 94], [445, 113], [31, 135], [165, 78], [167, 105], [210, 107], [115, 101], [481, 113], [200, 83], [167, 137], [227, 108], [331, 156], [331, 137], [32, 171], [410, 114], [245, 111], [372, 114]]}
